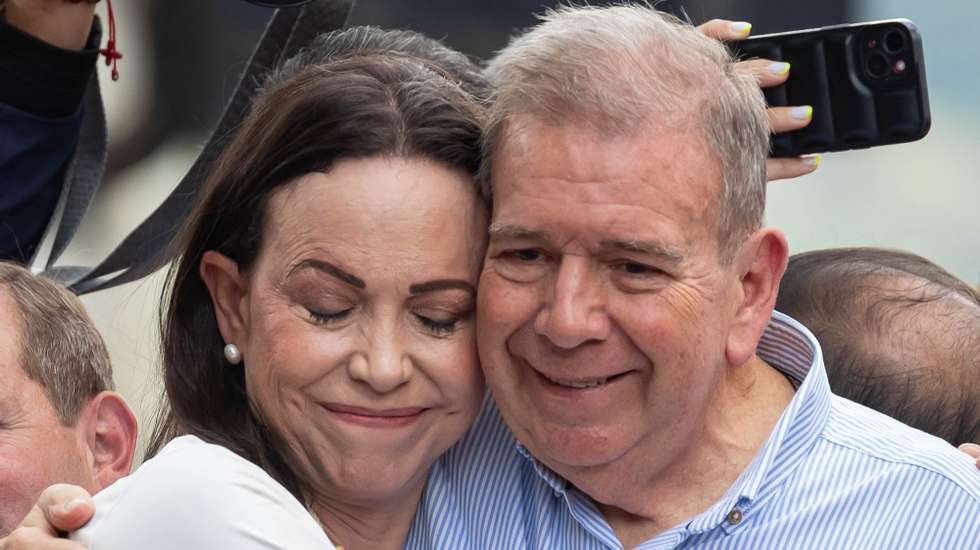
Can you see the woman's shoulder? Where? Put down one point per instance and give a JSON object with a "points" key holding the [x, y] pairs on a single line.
{"points": [[195, 494]]}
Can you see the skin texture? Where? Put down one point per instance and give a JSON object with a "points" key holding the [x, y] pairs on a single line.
{"points": [[602, 264], [362, 295]]}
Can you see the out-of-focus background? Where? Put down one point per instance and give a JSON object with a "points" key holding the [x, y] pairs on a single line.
{"points": [[182, 58]]}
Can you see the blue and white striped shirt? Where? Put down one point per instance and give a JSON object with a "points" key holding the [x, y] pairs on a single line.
{"points": [[832, 474]]}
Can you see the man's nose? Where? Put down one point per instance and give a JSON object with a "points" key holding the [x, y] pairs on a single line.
{"points": [[384, 365], [576, 312]]}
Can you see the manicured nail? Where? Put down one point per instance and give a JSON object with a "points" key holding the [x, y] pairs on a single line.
{"points": [[73, 505], [802, 113], [741, 28], [813, 161], [779, 68]]}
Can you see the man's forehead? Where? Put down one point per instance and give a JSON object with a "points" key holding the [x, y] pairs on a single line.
{"points": [[10, 322], [577, 152]]}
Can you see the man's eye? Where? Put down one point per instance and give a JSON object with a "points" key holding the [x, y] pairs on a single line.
{"points": [[328, 317], [637, 269], [524, 255]]}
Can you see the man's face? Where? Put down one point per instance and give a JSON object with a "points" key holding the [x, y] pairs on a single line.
{"points": [[35, 449], [603, 307]]}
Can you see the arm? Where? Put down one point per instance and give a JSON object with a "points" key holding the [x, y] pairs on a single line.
{"points": [[197, 496], [45, 71]]}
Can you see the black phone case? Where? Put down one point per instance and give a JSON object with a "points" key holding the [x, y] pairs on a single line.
{"points": [[838, 70]]}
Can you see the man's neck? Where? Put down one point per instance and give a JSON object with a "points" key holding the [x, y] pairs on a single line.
{"points": [[641, 504]]}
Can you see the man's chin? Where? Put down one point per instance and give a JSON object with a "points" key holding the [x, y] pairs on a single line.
{"points": [[567, 449]]}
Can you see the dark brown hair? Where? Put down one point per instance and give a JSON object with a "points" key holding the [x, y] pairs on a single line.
{"points": [[359, 92], [60, 348], [891, 339]]}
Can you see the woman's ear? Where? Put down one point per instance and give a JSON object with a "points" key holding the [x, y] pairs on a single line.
{"points": [[228, 289]]}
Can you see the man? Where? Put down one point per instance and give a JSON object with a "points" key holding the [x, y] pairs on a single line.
{"points": [[60, 421], [899, 334], [627, 333]]}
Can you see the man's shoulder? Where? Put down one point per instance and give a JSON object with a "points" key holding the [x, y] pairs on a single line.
{"points": [[879, 445], [866, 481]]}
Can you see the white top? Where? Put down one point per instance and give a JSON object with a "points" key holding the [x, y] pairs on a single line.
{"points": [[194, 495]]}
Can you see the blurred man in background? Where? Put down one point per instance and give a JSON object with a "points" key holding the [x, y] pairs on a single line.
{"points": [[60, 421], [899, 334], [47, 51]]}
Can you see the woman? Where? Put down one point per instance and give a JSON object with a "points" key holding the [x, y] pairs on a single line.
{"points": [[318, 340]]}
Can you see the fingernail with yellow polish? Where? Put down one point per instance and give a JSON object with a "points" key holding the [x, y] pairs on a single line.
{"points": [[813, 161], [780, 68], [741, 27], [802, 113]]}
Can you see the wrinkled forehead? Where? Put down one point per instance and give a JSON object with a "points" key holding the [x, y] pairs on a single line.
{"points": [[652, 162]]}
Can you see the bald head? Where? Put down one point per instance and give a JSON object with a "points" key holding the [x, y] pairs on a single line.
{"points": [[899, 334]]}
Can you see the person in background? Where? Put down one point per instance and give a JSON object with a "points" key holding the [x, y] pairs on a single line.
{"points": [[60, 420], [899, 334], [48, 50]]}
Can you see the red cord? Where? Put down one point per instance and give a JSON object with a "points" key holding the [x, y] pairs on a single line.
{"points": [[112, 55]]}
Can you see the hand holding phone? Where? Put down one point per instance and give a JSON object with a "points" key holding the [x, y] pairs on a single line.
{"points": [[769, 74], [865, 82]]}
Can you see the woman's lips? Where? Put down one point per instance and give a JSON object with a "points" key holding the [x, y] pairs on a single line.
{"points": [[381, 418]]}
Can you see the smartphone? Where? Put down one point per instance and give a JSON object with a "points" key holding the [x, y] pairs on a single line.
{"points": [[866, 83]]}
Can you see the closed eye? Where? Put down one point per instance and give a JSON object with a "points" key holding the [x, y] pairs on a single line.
{"points": [[328, 317], [437, 326]]}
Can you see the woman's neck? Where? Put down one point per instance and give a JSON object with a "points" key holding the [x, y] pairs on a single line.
{"points": [[380, 525]]}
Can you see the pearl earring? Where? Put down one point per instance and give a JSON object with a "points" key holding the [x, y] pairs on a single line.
{"points": [[232, 354]]}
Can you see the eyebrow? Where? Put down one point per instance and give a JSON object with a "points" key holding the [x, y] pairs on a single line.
{"points": [[441, 284], [668, 253], [503, 231], [329, 269]]}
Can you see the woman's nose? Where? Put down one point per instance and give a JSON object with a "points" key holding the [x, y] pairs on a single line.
{"points": [[384, 365]]}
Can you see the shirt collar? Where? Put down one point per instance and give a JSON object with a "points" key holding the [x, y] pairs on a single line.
{"points": [[792, 349]]}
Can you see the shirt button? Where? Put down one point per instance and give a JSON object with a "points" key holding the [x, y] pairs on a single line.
{"points": [[734, 517]]}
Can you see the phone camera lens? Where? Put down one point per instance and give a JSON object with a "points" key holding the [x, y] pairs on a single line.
{"points": [[878, 65], [894, 41]]}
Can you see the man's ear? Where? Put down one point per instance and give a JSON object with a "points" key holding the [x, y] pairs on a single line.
{"points": [[227, 288], [760, 263], [110, 434]]}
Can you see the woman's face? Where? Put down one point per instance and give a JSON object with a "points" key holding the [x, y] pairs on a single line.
{"points": [[356, 322]]}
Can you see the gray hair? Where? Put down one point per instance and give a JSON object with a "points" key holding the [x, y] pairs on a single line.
{"points": [[60, 347], [622, 68]]}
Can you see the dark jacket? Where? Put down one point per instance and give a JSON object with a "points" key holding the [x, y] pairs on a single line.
{"points": [[41, 90]]}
